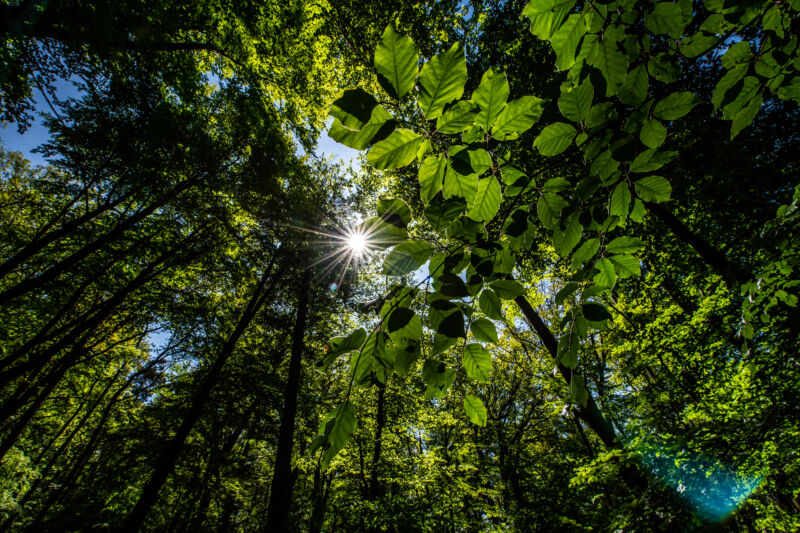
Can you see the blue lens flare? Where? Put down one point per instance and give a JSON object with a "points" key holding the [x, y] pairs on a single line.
{"points": [[713, 489]]}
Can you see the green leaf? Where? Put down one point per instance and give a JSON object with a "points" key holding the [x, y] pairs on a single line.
{"points": [[490, 96], [547, 15], [490, 304], [653, 133], [379, 126], [461, 185], [451, 286], [458, 118], [475, 410], [579, 391], [477, 362], [620, 201], [487, 200], [446, 318], [611, 63], [474, 162], [431, 176], [638, 212], [606, 277], [624, 245], [585, 253], [727, 82], [394, 211], [380, 234], [442, 80], [746, 115], [595, 312], [507, 289], [653, 189], [341, 345], [666, 17], [517, 117], [554, 138], [675, 105], [438, 378], [441, 343], [407, 257], [442, 212], [564, 241], [568, 290], [626, 266], [565, 41], [354, 108], [650, 160], [404, 357], [475, 134], [738, 53], [396, 61], [575, 103], [549, 209], [484, 330], [397, 150], [403, 323], [697, 44], [336, 430], [634, 90]]}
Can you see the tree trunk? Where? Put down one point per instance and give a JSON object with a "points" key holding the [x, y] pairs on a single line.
{"points": [[710, 255], [590, 414], [169, 455], [280, 494]]}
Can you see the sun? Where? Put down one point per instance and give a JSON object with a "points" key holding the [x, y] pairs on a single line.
{"points": [[357, 243]]}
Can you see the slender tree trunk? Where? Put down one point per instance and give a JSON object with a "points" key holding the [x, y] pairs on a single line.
{"points": [[281, 488], [319, 496], [169, 455], [590, 414], [380, 422], [105, 310], [40, 242], [710, 255], [76, 257]]}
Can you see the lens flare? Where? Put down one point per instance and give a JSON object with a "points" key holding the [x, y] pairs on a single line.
{"points": [[357, 242], [712, 488]]}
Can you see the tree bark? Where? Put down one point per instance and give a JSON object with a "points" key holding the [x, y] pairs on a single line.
{"points": [[169, 455], [281, 488], [710, 255], [590, 414]]}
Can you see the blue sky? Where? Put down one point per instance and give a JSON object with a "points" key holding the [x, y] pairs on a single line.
{"points": [[38, 134]]}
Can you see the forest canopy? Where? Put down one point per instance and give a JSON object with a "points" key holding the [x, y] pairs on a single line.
{"points": [[555, 289]]}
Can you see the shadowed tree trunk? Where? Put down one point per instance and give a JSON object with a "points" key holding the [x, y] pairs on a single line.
{"points": [[590, 414], [169, 455], [281, 488]]}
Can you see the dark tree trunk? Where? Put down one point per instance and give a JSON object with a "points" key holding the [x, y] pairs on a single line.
{"points": [[710, 255], [169, 455], [281, 488], [590, 414], [374, 483]]}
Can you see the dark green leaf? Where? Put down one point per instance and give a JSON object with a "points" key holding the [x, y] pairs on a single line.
{"points": [[595, 312]]}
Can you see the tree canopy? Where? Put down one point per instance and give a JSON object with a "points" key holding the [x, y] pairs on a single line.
{"points": [[557, 290]]}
